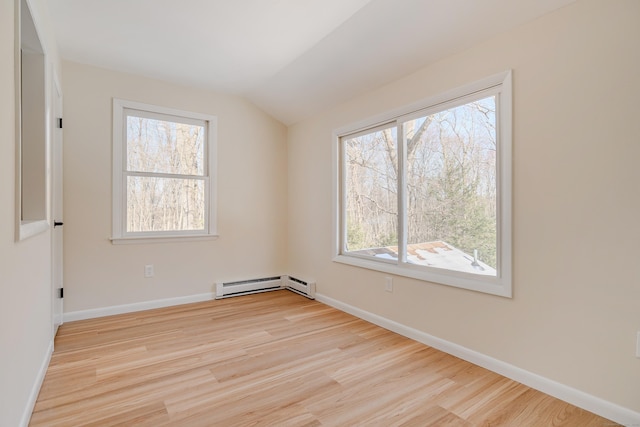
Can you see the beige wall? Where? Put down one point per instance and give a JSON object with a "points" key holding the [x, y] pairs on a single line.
{"points": [[576, 305], [25, 267], [252, 191], [575, 311]]}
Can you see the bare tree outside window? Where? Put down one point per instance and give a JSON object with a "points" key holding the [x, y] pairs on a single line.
{"points": [[165, 182], [425, 190], [372, 184], [450, 187], [451, 179]]}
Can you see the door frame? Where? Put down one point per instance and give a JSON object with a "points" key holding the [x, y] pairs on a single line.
{"points": [[57, 260]]}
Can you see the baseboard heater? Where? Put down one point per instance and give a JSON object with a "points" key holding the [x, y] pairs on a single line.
{"points": [[246, 287]]}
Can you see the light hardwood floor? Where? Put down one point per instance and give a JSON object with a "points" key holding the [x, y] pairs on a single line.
{"points": [[273, 359]]}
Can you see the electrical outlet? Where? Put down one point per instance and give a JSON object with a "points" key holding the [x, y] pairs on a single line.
{"points": [[388, 284], [638, 345], [148, 270]]}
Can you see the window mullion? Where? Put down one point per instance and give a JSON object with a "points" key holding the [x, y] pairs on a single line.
{"points": [[402, 193], [342, 198], [166, 175]]}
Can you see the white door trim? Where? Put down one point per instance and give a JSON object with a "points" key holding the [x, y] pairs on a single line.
{"points": [[56, 204]]}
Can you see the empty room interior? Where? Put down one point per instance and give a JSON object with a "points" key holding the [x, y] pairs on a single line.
{"points": [[304, 212]]}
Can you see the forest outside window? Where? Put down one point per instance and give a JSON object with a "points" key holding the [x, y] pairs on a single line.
{"points": [[425, 191], [163, 182]]}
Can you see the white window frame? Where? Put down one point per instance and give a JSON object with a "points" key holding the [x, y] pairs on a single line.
{"points": [[499, 85], [119, 204]]}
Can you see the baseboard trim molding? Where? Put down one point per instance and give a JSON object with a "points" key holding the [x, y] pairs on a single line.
{"points": [[563, 392], [37, 384], [138, 306]]}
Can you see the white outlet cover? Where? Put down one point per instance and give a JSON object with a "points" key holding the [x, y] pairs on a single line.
{"points": [[388, 284], [638, 345], [148, 270]]}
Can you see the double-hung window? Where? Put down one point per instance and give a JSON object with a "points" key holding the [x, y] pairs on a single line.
{"points": [[163, 173], [425, 191]]}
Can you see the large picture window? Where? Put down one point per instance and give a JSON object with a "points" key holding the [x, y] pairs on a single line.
{"points": [[163, 185], [425, 191]]}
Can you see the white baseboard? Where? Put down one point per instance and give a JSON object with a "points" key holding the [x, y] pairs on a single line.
{"points": [[138, 306], [568, 394], [35, 390]]}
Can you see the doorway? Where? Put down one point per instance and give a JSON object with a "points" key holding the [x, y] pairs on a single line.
{"points": [[56, 208]]}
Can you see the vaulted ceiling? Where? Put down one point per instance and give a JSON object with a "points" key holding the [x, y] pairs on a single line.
{"points": [[292, 58]]}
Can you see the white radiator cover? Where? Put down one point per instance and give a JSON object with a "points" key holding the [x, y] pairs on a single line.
{"points": [[246, 287], [302, 287]]}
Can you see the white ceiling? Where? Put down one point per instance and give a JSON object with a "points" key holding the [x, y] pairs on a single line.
{"points": [[292, 58]]}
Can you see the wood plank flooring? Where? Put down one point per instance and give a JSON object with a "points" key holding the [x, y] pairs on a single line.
{"points": [[273, 359]]}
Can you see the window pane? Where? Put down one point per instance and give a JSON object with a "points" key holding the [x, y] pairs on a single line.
{"points": [[371, 171], [165, 204], [451, 188], [161, 146]]}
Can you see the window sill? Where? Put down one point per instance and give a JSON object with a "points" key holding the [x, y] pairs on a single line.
{"points": [[161, 239], [491, 286], [31, 228]]}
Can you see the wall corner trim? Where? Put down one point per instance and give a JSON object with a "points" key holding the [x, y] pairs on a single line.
{"points": [[37, 384], [563, 392]]}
